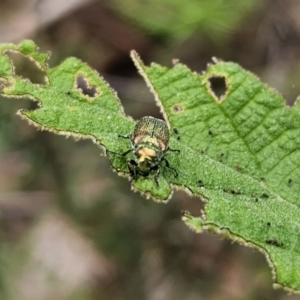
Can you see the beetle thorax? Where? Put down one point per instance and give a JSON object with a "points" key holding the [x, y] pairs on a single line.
{"points": [[147, 155]]}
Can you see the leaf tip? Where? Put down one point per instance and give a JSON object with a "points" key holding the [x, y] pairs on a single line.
{"points": [[135, 56]]}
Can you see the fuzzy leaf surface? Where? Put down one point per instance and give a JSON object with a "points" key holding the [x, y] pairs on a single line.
{"points": [[241, 153], [95, 113]]}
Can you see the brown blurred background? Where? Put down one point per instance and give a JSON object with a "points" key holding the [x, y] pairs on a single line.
{"points": [[70, 227]]}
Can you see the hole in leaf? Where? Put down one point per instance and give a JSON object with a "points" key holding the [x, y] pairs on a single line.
{"points": [[27, 68], [88, 90], [218, 86]]}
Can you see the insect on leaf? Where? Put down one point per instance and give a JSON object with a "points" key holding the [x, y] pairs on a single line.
{"points": [[76, 101], [240, 152], [239, 148]]}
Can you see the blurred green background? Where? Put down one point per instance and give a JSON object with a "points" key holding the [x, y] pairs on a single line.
{"points": [[73, 229]]}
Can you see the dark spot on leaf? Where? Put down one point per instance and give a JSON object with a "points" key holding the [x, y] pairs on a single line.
{"points": [[202, 151], [268, 223], [232, 192], [265, 195], [274, 242], [218, 86], [177, 108], [290, 180], [82, 83], [238, 168], [68, 93], [200, 182], [256, 199], [176, 132], [262, 179], [210, 132], [222, 154], [225, 190], [26, 68]]}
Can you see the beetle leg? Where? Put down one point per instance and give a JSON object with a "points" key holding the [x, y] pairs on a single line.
{"points": [[109, 151], [173, 150], [126, 152], [131, 163], [168, 166], [128, 136], [156, 177], [121, 154]]}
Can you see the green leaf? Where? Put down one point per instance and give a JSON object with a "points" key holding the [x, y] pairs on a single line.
{"points": [[65, 109], [238, 152], [241, 154]]}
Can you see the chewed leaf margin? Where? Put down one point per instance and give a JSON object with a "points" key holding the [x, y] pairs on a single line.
{"points": [[246, 203], [65, 107]]}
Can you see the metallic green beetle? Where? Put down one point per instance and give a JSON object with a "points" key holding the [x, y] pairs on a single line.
{"points": [[149, 144]]}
